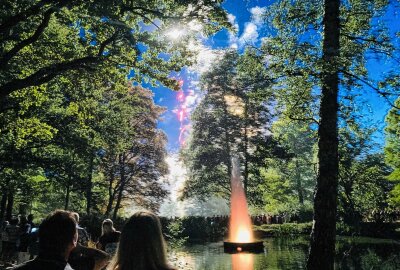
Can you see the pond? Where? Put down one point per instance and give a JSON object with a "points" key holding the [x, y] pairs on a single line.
{"points": [[291, 253]]}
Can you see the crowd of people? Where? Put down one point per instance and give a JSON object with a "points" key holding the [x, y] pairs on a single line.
{"points": [[60, 243], [16, 235], [20, 239]]}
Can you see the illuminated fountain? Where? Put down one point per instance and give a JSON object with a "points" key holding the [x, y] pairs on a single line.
{"points": [[241, 237]]}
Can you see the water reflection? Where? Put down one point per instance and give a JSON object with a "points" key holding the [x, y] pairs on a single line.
{"points": [[243, 261], [291, 253]]}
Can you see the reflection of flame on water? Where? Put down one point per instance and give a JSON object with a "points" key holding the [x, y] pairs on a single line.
{"points": [[242, 261], [240, 229]]}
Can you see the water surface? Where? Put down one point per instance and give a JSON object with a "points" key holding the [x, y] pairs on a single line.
{"points": [[291, 253]]}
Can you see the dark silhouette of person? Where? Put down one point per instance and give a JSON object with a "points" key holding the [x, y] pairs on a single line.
{"points": [[58, 237]]}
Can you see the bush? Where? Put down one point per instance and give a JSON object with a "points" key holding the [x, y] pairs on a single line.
{"points": [[268, 230]]}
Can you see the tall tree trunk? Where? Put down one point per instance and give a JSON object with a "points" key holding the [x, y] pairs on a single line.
{"points": [[322, 243], [121, 186], [111, 192], [10, 205], [89, 185], [3, 204], [298, 183], [67, 195]]}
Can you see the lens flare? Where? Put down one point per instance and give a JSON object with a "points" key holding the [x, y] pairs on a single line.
{"points": [[182, 113]]}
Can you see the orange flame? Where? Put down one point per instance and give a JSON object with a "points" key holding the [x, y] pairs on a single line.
{"points": [[240, 228]]}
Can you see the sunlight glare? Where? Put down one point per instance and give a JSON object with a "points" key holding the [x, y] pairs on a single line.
{"points": [[175, 33]]}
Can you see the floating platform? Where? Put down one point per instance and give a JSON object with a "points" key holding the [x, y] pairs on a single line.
{"points": [[253, 247]]}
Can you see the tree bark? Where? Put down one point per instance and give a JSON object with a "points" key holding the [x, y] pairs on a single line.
{"points": [[298, 183], [89, 185], [10, 205], [3, 204], [67, 195], [121, 186], [323, 235], [111, 192]]}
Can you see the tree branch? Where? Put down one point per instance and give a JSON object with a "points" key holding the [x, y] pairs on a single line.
{"points": [[370, 85], [12, 21], [45, 22], [46, 74], [291, 117]]}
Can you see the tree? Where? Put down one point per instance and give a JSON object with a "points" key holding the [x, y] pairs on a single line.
{"points": [[232, 119], [142, 164], [392, 150], [41, 40], [289, 182], [214, 129], [73, 125], [363, 187], [319, 48]]}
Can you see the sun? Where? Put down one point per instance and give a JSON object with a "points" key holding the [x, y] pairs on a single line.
{"points": [[175, 33]]}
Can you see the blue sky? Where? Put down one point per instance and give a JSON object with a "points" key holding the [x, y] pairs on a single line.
{"points": [[244, 16]]}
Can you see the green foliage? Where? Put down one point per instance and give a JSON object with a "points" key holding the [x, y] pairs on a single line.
{"points": [[174, 234], [363, 187], [268, 230], [72, 134], [392, 150], [40, 40], [288, 183]]}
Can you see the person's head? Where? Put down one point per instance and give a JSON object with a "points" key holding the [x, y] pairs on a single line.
{"points": [[23, 219], [14, 221], [57, 233], [30, 218], [76, 216], [107, 226], [141, 245]]}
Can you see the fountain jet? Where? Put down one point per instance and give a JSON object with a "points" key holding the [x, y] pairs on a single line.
{"points": [[241, 237]]}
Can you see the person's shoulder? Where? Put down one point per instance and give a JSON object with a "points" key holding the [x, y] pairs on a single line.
{"points": [[29, 265]]}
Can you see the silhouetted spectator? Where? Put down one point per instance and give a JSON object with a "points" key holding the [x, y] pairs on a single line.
{"points": [[83, 239], [12, 236], [23, 234], [109, 238], [83, 257], [58, 237], [30, 222], [4, 238], [141, 245]]}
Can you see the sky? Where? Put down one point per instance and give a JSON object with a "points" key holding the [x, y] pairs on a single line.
{"points": [[245, 17]]}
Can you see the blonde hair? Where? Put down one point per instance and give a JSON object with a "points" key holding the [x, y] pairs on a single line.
{"points": [[141, 245], [107, 226]]}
